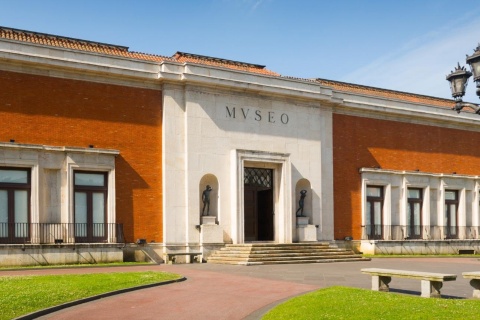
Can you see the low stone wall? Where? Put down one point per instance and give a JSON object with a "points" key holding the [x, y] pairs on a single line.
{"points": [[153, 252], [148, 252], [32, 255], [420, 247]]}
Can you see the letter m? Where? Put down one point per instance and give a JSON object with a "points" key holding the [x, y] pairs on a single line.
{"points": [[231, 113]]}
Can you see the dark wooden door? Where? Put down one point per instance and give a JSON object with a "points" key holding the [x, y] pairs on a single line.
{"points": [[265, 215], [258, 204], [258, 214], [250, 214]]}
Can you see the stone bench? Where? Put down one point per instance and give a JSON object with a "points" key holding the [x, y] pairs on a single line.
{"points": [[431, 283], [474, 282], [170, 257]]}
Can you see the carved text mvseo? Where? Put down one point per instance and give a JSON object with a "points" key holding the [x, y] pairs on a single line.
{"points": [[256, 115]]}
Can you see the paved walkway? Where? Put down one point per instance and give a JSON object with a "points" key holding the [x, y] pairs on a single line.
{"points": [[239, 292]]}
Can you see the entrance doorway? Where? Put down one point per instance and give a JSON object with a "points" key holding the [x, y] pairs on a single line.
{"points": [[258, 204]]}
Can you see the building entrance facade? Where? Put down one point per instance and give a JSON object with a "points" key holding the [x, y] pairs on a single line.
{"points": [[258, 204]]}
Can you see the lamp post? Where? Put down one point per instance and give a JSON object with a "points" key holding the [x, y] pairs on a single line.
{"points": [[459, 78]]}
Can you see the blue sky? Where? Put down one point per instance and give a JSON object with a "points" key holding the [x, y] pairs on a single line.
{"points": [[404, 45]]}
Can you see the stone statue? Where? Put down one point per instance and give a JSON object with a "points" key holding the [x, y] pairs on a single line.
{"points": [[301, 202], [206, 200]]}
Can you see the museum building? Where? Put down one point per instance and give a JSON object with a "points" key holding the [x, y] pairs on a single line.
{"points": [[107, 153]]}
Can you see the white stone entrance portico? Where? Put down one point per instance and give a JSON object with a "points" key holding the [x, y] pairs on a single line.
{"points": [[213, 131], [280, 164]]}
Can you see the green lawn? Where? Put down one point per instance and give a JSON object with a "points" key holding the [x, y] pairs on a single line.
{"points": [[20, 295], [77, 265], [357, 304]]}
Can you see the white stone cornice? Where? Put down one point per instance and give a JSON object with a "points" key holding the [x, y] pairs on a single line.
{"points": [[395, 110], [19, 146], [417, 173], [72, 59], [216, 77]]}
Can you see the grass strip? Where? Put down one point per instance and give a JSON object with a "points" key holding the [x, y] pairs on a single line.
{"points": [[353, 303], [459, 256], [77, 265], [25, 294]]}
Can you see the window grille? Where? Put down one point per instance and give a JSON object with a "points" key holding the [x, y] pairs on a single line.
{"points": [[258, 177]]}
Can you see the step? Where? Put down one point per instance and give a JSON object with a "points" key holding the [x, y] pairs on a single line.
{"points": [[318, 257], [291, 245], [289, 254], [317, 261], [277, 248], [299, 257], [277, 251], [249, 263], [266, 244]]}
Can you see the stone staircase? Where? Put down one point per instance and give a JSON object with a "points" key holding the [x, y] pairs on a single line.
{"points": [[274, 253]]}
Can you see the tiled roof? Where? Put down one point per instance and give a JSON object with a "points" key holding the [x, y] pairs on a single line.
{"points": [[115, 50], [182, 57], [75, 44], [384, 93], [217, 62]]}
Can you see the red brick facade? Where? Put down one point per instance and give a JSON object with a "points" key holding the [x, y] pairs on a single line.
{"points": [[59, 112], [362, 142]]}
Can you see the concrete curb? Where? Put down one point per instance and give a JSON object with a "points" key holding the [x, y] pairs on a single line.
{"points": [[68, 267], [46, 311]]}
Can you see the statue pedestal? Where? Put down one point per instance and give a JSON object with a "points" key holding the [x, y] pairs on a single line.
{"points": [[209, 231], [302, 221], [306, 232], [208, 220]]}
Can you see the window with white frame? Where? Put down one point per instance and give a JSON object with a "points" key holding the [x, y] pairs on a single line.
{"points": [[38, 208], [14, 205], [418, 205], [374, 212], [414, 213], [451, 214], [90, 195]]}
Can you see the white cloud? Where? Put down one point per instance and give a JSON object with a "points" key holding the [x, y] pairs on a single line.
{"points": [[421, 65], [253, 5], [256, 4]]}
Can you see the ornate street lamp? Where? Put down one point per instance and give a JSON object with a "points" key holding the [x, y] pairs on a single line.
{"points": [[459, 78]]}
